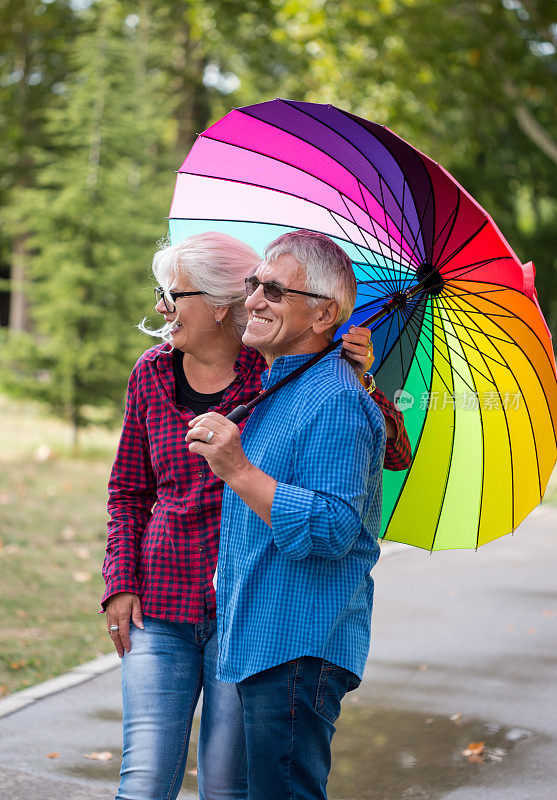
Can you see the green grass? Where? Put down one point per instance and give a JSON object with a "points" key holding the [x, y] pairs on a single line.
{"points": [[52, 540]]}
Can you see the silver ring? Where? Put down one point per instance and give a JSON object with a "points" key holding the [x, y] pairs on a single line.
{"points": [[114, 628], [209, 437]]}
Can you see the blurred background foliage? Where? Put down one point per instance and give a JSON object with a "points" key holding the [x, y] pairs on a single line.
{"points": [[102, 99]]}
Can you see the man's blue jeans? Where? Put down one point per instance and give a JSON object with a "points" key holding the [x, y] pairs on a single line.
{"points": [[289, 715], [162, 677]]}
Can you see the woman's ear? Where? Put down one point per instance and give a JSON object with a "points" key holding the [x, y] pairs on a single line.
{"points": [[326, 317], [220, 315]]}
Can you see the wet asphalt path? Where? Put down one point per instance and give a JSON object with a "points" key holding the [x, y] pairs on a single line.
{"points": [[466, 635]]}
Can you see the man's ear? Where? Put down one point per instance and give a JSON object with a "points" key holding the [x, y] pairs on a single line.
{"points": [[325, 317]]}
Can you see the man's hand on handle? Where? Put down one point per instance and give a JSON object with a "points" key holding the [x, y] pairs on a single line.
{"points": [[120, 608]]}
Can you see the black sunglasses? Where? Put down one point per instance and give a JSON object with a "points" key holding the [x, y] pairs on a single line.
{"points": [[274, 292], [160, 295]]}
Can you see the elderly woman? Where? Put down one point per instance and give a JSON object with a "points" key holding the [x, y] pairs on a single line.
{"points": [[163, 533]]}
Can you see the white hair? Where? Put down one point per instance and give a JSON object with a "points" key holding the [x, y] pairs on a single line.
{"points": [[214, 263], [328, 269]]}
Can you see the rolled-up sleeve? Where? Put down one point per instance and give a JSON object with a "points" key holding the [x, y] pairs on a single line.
{"points": [[338, 460], [132, 492]]}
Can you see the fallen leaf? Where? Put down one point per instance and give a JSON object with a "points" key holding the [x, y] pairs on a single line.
{"points": [[3, 689], [81, 577], [429, 721], [549, 612], [475, 759], [42, 453], [68, 533], [457, 718], [82, 552], [530, 631], [423, 667], [104, 756], [53, 755], [474, 749], [193, 772]]}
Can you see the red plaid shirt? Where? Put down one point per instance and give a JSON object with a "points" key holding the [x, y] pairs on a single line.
{"points": [[165, 502], [398, 453]]}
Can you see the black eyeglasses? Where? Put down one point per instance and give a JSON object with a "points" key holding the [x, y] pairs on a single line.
{"points": [[274, 291], [160, 295]]}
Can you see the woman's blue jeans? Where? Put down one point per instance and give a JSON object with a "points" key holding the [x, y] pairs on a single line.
{"points": [[162, 677]]}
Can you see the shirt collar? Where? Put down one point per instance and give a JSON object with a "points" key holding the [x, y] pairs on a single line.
{"points": [[162, 353], [284, 365], [248, 359]]}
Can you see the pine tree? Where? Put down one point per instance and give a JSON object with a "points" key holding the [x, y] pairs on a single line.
{"points": [[99, 207]]}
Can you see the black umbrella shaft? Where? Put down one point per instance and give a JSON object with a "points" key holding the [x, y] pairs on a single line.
{"points": [[240, 412]]}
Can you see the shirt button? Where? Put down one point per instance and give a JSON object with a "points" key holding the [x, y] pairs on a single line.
{"points": [[200, 474], [196, 508], [200, 549]]}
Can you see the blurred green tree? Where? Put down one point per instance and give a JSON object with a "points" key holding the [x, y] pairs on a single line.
{"points": [[94, 214], [34, 43]]}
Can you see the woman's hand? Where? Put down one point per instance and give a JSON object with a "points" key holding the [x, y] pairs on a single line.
{"points": [[358, 349], [119, 609]]}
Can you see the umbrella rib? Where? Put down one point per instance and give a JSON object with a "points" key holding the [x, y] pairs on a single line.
{"points": [[472, 267], [527, 409], [507, 315], [450, 219], [435, 348], [452, 309], [349, 142], [374, 228], [367, 243], [446, 359], [387, 148], [386, 337], [405, 330], [379, 242], [400, 341], [287, 164], [406, 284], [377, 325], [384, 269], [278, 191], [525, 401], [461, 246], [325, 152], [389, 237], [417, 445], [408, 280], [471, 330], [474, 294], [509, 441]]}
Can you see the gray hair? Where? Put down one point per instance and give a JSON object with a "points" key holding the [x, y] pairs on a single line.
{"points": [[328, 269], [214, 263]]}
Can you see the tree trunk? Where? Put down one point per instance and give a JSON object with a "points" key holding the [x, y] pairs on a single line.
{"points": [[19, 303]]}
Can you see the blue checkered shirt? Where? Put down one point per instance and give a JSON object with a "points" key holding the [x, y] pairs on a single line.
{"points": [[303, 587]]}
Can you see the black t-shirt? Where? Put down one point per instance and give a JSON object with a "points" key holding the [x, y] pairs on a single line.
{"points": [[185, 395]]}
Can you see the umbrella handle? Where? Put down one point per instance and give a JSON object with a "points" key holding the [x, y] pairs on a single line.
{"points": [[238, 414]]}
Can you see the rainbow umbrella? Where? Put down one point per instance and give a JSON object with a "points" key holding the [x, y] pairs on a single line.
{"points": [[465, 352]]}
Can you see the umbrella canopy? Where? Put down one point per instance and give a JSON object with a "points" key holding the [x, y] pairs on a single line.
{"points": [[466, 354]]}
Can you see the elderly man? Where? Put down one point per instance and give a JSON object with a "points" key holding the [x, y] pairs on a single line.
{"points": [[300, 516]]}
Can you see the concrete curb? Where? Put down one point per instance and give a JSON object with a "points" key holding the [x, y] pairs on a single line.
{"points": [[84, 672], [90, 669]]}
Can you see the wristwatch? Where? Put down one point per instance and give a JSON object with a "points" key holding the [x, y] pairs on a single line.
{"points": [[368, 382]]}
